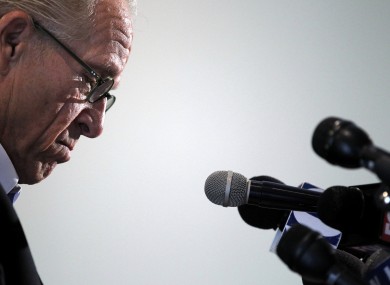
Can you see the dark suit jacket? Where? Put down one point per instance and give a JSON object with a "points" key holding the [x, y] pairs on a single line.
{"points": [[16, 263]]}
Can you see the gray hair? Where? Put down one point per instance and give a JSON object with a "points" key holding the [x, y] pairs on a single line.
{"points": [[68, 19]]}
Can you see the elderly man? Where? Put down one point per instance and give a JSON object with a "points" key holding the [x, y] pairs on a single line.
{"points": [[58, 61]]}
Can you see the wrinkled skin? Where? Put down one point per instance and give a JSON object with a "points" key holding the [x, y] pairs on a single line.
{"points": [[42, 109]]}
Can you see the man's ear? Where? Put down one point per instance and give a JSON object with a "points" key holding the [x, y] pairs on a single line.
{"points": [[15, 28]]}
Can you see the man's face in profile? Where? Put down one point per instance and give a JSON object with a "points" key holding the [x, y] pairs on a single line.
{"points": [[47, 111]]}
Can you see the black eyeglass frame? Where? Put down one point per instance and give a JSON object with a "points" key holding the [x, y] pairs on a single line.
{"points": [[107, 83]]}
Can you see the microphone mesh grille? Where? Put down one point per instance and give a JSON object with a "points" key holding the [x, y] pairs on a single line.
{"points": [[215, 188]]}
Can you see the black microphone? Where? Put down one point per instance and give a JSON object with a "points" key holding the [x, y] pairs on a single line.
{"points": [[354, 264], [344, 208], [353, 211], [230, 189], [377, 267], [342, 143], [260, 217], [307, 253]]}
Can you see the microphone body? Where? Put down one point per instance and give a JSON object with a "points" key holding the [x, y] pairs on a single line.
{"points": [[273, 195], [260, 217]]}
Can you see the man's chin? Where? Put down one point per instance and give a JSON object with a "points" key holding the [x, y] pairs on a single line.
{"points": [[37, 173]]}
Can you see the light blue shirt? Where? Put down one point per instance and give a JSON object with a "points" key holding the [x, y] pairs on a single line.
{"points": [[8, 176]]}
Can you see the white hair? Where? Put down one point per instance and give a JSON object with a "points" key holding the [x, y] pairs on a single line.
{"points": [[65, 18]]}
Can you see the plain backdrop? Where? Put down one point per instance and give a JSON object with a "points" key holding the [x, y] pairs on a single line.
{"points": [[210, 85]]}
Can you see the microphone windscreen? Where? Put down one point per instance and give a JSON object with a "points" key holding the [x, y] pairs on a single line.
{"points": [[375, 259], [352, 263], [341, 207], [306, 252], [340, 142], [263, 218], [320, 139]]}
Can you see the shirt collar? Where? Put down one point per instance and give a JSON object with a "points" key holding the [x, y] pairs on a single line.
{"points": [[8, 176]]}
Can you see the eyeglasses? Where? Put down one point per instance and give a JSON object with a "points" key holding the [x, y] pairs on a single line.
{"points": [[101, 87]]}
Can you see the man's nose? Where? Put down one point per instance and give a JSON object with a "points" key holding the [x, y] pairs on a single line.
{"points": [[91, 120]]}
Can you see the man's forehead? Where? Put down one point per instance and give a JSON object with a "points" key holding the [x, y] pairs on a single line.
{"points": [[110, 39]]}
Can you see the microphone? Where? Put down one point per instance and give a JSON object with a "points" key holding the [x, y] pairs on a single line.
{"points": [[377, 267], [364, 227], [230, 189], [307, 253], [263, 218], [344, 208], [348, 209], [354, 264], [342, 143], [352, 210]]}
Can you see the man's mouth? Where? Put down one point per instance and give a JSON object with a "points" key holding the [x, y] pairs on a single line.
{"points": [[67, 143]]}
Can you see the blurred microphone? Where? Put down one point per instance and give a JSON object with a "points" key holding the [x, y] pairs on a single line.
{"points": [[307, 253], [342, 143], [230, 189], [352, 210], [354, 264], [260, 217], [377, 268]]}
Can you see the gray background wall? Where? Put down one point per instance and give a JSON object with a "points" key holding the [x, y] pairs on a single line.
{"points": [[211, 85]]}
